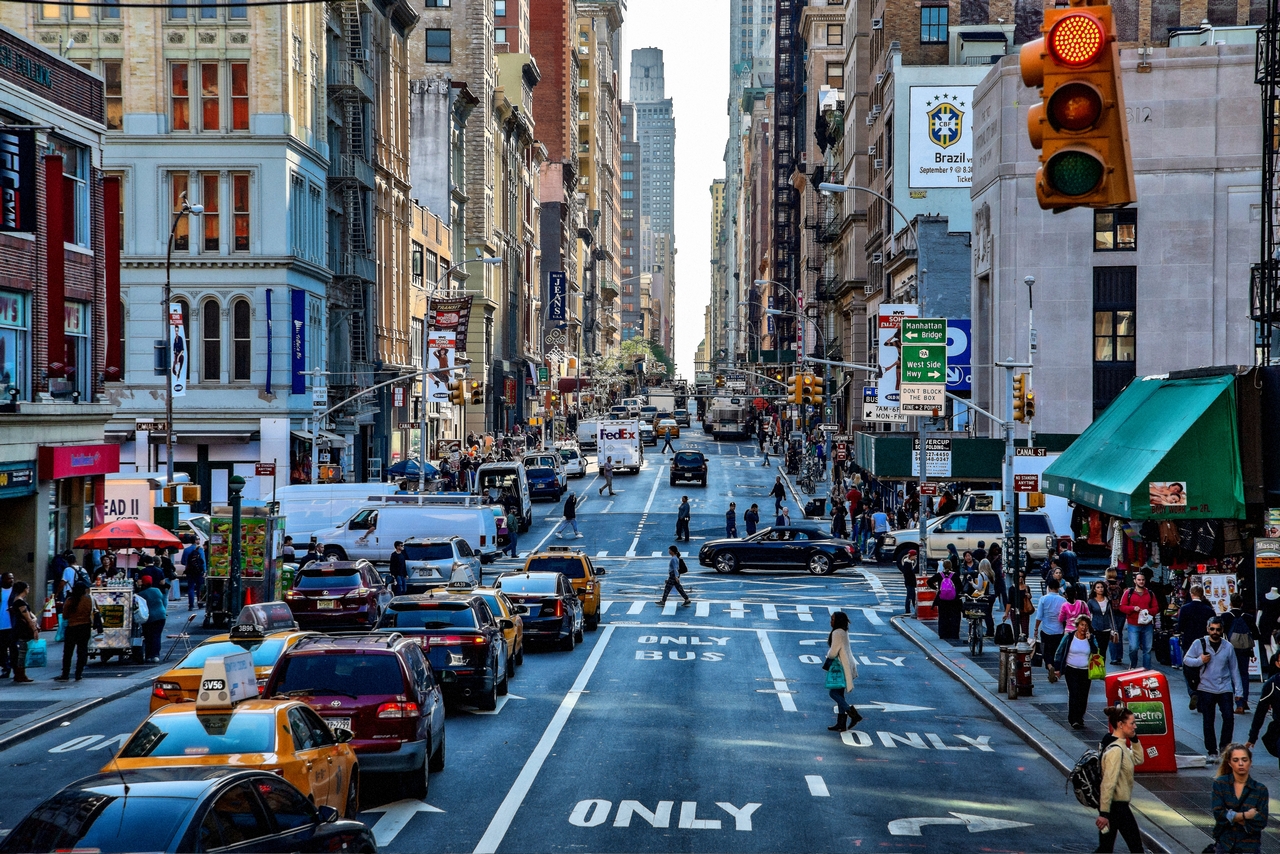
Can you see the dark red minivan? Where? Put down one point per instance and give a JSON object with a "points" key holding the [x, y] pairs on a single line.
{"points": [[338, 594]]}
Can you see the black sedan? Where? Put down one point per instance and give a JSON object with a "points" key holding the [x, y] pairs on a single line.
{"points": [[185, 809], [793, 547], [555, 611], [689, 465]]}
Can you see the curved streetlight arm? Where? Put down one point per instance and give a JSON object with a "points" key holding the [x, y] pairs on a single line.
{"points": [[845, 188]]}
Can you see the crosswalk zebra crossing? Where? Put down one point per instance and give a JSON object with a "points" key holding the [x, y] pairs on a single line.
{"points": [[615, 610]]}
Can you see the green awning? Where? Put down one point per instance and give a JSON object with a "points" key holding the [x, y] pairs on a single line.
{"points": [[1159, 430]]}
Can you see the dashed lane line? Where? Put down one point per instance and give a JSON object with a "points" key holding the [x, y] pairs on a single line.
{"points": [[644, 516], [817, 786]]}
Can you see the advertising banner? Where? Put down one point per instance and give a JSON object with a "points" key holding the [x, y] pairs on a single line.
{"points": [[889, 353], [297, 340], [177, 351], [17, 180], [441, 354], [940, 141], [557, 297], [959, 355], [452, 314]]}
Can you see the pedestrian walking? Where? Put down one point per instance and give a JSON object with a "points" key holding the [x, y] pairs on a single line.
{"points": [[287, 552], [1193, 623], [666, 445], [947, 584], [779, 493], [784, 518], [1219, 683], [25, 630], [513, 528], [1242, 634], [606, 471], [1074, 606], [1074, 656], [77, 612], [399, 569], [682, 519], [984, 590], [1268, 701], [312, 554], [1120, 752], [6, 625], [879, 528], [153, 627], [1140, 607], [909, 581], [674, 567], [839, 521], [731, 520], [1048, 625], [1106, 619], [841, 671], [751, 518], [570, 516], [1241, 805]]}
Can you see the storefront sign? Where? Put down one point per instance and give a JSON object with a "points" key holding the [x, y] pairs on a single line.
{"points": [[17, 179], [177, 352], [298, 340], [1266, 553], [1219, 587], [452, 315], [937, 457], [17, 479], [1273, 522], [25, 66], [557, 297], [940, 141], [59, 461], [1168, 496], [509, 389]]}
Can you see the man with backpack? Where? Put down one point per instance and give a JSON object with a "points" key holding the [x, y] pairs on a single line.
{"points": [[1047, 625], [1219, 682], [194, 567], [1139, 605], [1242, 633], [1193, 622]]}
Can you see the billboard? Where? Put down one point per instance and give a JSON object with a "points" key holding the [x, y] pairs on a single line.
{"points": [[940, 138], [17, 180], [557, 297], [889, 352], [442, 352], [453, 314], [959, 355], [177, 351]]}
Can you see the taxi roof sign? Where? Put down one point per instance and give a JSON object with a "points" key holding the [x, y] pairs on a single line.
{"points": [[225, 681], [265, 617]]}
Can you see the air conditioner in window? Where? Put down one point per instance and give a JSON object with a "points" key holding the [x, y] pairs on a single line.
{"points": [[877, 23], [881, 76], [870, 120], [875, 110], [871, 150], [876, 257], [879, 164]]}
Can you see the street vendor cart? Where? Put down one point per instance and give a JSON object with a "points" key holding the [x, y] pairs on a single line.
{"points": [[261, 538]]}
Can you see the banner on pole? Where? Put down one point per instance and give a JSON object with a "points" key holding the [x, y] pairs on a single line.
{"points": [[177, 352]]}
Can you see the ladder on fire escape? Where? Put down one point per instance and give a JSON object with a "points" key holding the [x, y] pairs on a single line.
{"points": [[1264, 292]]}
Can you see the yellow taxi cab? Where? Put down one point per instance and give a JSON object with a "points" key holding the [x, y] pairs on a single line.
{"points": [[229, 725], [667, 427], [574, 565], [504, 609], [264, 630]]}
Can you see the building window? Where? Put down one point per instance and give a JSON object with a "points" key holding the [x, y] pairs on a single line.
{"points": [[208, 10], [500, 8], [111, 10], [438, 46], [241, 341], [1115, 231], [1114, 332], [114, 86], [182, 233], [933, 25], [416, 259], [211, 342], [210, 220], [439, 4], [239, 11], [1113, 336], [500, 35], [628, 194], [628, 156], [239, 96], [240, 211], [628, 213], [14, 344], [180, 96], [75, 181], [178, 10], [835, 34], [628, 176], [79, 355], [210, 114], [835, 75]]}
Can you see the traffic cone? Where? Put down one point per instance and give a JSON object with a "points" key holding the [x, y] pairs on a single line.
{"points": [[49, 619]]}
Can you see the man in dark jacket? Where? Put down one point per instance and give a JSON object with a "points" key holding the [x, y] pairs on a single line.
{"points": [[751, 518], [731, 520], [570, 517], [779, 493], [399, 569], [1193, 618], [682, 519]]}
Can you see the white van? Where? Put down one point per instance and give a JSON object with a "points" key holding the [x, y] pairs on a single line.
{"points": [[371, 532], [621, 441], [587, 434], [309, 507], [507, 478]]}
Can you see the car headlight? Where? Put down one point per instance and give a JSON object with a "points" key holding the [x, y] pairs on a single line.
{"points": [[890, 541]]}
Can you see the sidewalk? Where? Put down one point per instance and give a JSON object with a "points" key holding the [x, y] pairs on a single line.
{"points": [[30, 709], [1173, 809]]}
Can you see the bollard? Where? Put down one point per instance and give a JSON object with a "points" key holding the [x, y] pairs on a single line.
{"points": [[1022, 671], [1003, 678]]}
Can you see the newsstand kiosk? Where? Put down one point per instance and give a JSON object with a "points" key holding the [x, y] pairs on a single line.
{"points": [[1146, 694]]}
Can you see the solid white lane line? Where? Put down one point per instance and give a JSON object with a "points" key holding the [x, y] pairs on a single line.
{"points": [[607, 507], [657, 480], [775, 670], [817, 786], [770, 611], [506, 813], [656, 554], [636, 608], [872, 617]]}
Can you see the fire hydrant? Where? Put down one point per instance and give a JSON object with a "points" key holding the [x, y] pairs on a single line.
{"points": [[1022, 668]]}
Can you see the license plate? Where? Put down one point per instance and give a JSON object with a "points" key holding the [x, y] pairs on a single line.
{"points": [[344, 723], [326, 604]]}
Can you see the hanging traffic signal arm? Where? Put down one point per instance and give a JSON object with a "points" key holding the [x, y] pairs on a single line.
{"points": [[1080, 127]]}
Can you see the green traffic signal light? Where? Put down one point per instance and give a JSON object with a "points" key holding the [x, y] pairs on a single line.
{"points": [[1073, 172]]}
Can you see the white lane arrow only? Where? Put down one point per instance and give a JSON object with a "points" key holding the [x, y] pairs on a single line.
{"points": [[893, 707], [975, 823], [396, 815]]}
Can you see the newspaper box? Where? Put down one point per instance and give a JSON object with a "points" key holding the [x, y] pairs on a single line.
{"points": [[1146, 694]]}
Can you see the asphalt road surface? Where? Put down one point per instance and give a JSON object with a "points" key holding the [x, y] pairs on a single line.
{"points": [[699, 728]]}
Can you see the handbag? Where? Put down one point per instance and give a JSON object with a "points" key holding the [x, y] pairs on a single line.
{"points": [[1004, 634], [1037, 657], [1097, 667], [98, 627], [37, 653], [826, 663], [835, 676], [61, 634], [683, 569]]}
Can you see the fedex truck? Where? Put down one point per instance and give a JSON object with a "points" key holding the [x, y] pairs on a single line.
{"points": [[620, 440]]}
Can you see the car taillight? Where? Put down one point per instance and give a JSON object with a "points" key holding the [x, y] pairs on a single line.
{"points": [[444, 640], [551, 608], [398, 710], [358, 593], [262, 686], [483, 539], [849, 549], [161, 689]]}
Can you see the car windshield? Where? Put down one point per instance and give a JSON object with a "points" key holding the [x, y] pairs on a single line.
{"points": [[529, 584], [201, 524], [680, 413], [567, 455], [354, 673], [436, 616], [88, 820], [686, 458], [320, 579], [1030, 523], [265, 652], [569, 567], [203, 735], [498, 479], [540, 461], [428, 551]]}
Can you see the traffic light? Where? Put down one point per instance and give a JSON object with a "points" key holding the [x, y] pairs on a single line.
{"points": [[457, 396], [817, 389], [1030, 408], [1080, 127], [794, 387], [806, 388], [1019, 397], [477, 391], [1035, 500], [719, 381]]}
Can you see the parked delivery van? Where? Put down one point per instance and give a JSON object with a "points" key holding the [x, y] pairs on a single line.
{"points": [[309, 507], [371, 532]]}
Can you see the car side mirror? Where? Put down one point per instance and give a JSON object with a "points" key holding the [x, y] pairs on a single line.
{"points": [[507, 625], [602, 572], [522, 609], [328, 814], [341, 734]]}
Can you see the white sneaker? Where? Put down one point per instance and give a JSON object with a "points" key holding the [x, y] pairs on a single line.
{"points": [[577, 536]]}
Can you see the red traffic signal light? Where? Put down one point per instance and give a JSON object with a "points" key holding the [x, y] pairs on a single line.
{"points": [[1080, 127]]}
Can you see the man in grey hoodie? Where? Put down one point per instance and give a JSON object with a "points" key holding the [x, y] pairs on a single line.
{"points": [[1219, 684]]}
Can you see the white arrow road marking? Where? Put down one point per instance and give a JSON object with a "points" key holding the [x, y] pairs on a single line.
{"points": [[395, 816], [975, 823], [502, 701], [817, 786]]}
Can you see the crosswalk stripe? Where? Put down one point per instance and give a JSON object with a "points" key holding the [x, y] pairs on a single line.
{"points": [[656, 554], [605, 605], [802, 611], [770, 611], [737, 610], [602, 554], [636, 608], [669, 609], [702, 609]]}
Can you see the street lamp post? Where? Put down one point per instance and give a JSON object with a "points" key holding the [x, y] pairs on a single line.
{"points": [[1030, 282], [184, 210]]}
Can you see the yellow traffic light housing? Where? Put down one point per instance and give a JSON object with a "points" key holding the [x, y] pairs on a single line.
{"points": [[793, 387], [457, 396], [476, 391], [1030, 408], [719, 381], [817, 389], [806, 388], [1080, 127], [1019, 397], [1035, 500]]}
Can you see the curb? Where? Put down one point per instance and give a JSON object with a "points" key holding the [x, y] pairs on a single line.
{"points": [[1190, 838], [56, 719]]}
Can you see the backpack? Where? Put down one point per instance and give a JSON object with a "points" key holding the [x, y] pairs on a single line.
{"points": [[1086, 777], [195, 566], [682, 568], [82, 577], [947, 589], [1239, 635]]}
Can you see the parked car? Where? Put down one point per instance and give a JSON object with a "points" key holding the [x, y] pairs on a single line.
{"points": [[436, 561], [965, 530], [583, 576], [181, 810], [555, 612], [381, 688], [544, 483], [801, 546], [332, 593], [689, 465], [682, 417]]}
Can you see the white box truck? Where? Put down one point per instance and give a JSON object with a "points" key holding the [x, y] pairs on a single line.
{"points": [[588, 432], [620, 440]]}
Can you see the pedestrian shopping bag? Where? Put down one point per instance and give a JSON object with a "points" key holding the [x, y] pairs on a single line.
{"points": [[1097, 667], [37, 653], [62, 629], [835, 676]]}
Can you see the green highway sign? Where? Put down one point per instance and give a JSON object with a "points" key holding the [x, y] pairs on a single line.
{"points": [[924, 330], [924, 363]]}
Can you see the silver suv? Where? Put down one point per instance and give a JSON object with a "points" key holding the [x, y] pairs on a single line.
{"points": [[435, 561], [965, 530]]}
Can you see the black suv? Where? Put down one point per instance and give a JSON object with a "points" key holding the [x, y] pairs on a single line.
{"points": [[380, 687], [462, 638], [689, 465], [554, 610]]}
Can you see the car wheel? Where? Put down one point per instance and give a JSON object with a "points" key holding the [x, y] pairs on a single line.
{"points": [[505, 686], [511, 666], [820, 564], [335, 552], [416, 783], [726, 563], [489, 701], [577, 636], [673, 481], [593, 622], [437, 758], [520, 655], [567, 642], [704, 481], [352, 806]]}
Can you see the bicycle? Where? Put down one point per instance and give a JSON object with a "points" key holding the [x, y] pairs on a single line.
{"points": [[977, 617]]}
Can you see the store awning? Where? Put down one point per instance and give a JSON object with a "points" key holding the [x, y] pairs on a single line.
{"points": [[1180, 435], [569, 385], [327, 439]]}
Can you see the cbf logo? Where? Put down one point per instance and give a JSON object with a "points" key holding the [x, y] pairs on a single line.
{"points": [[946, 121]]}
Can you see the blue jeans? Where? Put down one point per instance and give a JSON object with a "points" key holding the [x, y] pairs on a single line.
{"points": [[194, 584], [567, 523], [1242, 662], [837, 694], [1139, 636], [1208, 705]]}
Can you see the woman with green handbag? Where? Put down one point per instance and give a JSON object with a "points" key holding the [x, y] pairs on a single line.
{"points": [[1077, 656], [841, 671]]}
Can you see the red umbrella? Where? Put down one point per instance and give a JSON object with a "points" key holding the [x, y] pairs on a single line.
{"points": [[127, 534]]}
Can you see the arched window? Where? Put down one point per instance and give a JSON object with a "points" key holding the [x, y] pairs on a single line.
{"points": [[241, 341], [211, 341]]}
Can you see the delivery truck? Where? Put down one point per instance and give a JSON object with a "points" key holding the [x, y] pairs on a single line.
{"points": [[620, 439]]}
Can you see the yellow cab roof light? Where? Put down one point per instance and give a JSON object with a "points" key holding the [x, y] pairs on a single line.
{"points": [[225, 681]]}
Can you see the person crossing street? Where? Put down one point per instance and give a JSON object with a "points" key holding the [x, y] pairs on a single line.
{"points": [[673, 578], [570, 517], [666, 445], [606, 471], [751, 518], [682, 519], [779, 493], [731, 520]]}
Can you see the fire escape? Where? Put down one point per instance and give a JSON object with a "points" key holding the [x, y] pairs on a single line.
{"points": [[788, 86], [1264, 297]]}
